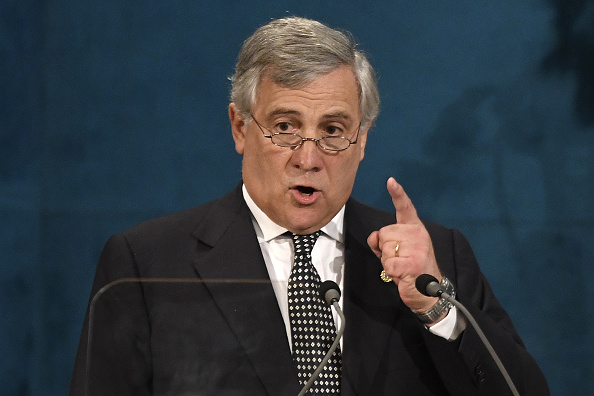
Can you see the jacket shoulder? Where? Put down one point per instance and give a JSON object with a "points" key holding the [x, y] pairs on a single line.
{"points": [[373, 219], [186, 221]]}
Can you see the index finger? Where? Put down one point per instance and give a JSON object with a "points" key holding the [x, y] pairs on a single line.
{"points": [[405, 210]]}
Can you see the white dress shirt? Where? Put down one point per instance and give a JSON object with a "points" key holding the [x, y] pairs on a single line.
{"points": [[327, 258]]}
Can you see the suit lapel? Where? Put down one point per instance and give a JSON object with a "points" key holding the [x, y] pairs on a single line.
{"points": [[371, 306], [231, 251]]}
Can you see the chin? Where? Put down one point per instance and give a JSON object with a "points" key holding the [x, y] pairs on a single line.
{"points": [[302, 224]]}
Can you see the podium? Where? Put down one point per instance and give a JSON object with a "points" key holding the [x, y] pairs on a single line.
{"points": [[179, 336]]}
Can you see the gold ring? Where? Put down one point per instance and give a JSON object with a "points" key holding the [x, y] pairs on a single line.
{"points": [[396, 249], [385, 277]]}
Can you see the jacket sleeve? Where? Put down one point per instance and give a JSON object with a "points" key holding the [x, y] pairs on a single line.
{"points": [[467, 354]]}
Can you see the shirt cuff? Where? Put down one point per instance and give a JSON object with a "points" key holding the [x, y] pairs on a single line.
{"points": [[449, 327]]}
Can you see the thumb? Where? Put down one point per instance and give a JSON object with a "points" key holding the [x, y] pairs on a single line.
{"points": [[373, 242]]}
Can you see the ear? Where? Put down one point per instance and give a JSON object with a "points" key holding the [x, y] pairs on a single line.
{"points": [[363, 139], [238, 128]]}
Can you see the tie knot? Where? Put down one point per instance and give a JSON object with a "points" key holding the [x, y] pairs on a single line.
{"points": [[305, 243]]}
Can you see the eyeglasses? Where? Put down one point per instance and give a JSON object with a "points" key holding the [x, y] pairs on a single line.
{"points": [[293, 139]]}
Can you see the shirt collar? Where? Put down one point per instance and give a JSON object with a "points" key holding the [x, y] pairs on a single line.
{"points": [[270, 230]]}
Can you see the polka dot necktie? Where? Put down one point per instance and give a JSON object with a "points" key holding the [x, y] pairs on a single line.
{"points": [[312, 325]]}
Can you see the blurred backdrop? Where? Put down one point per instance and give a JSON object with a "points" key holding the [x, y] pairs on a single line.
{"points": [[112, 112]]}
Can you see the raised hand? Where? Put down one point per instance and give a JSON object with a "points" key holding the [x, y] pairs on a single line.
{"points": [[405, 250]]}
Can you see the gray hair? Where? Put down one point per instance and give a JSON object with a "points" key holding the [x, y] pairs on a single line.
{"points": [[293, 52]]}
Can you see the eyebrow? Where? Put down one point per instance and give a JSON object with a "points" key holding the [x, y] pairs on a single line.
{"points": [[331, 116], [282, 111], [339, 115]]}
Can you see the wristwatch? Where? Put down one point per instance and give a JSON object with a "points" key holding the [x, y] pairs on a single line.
{"points": [[441, 307]]}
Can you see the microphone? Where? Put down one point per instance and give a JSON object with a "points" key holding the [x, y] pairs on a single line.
{"points": [[429, 286], [330, 292]]}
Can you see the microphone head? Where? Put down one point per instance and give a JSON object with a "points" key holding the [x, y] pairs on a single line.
{"points": [[329, 291], [428, 285]]}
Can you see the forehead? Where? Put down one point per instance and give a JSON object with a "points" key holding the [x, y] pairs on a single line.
{"points": [[333, 94]]}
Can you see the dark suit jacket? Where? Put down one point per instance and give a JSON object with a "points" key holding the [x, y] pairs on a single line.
{"points": [[228, 338]]}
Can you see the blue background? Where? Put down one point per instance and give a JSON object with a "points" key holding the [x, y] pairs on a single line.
{"points": [[113, 112]]}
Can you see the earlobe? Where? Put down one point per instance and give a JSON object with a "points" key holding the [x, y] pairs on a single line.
{"points": [[363, 141], [238, 128]]}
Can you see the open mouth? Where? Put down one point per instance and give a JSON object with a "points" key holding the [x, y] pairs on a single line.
{"points": [[307, 191]]}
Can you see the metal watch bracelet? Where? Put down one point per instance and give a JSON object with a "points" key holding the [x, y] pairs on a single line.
{"points": [[441, 306]]}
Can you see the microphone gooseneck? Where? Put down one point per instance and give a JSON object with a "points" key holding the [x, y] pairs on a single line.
{"points": [[330, 292], [429, 286]]}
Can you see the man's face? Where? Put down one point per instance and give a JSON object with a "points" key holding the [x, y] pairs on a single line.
{"points": [[301, 188]]}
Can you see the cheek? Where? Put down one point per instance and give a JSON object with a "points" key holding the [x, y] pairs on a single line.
{"points": [[352, 164], [264, 164], [344, 173]]}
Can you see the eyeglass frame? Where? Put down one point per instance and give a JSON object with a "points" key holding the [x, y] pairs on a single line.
{"points": [[305, 139]]}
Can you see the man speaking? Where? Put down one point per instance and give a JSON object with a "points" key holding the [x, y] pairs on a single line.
{"points": [[303, 101]]}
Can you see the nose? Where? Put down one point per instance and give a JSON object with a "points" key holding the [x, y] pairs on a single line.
{"points": [[308, 156]]}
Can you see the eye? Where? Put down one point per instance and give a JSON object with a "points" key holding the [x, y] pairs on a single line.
{"points": [[284, 127], [334, 130]]}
